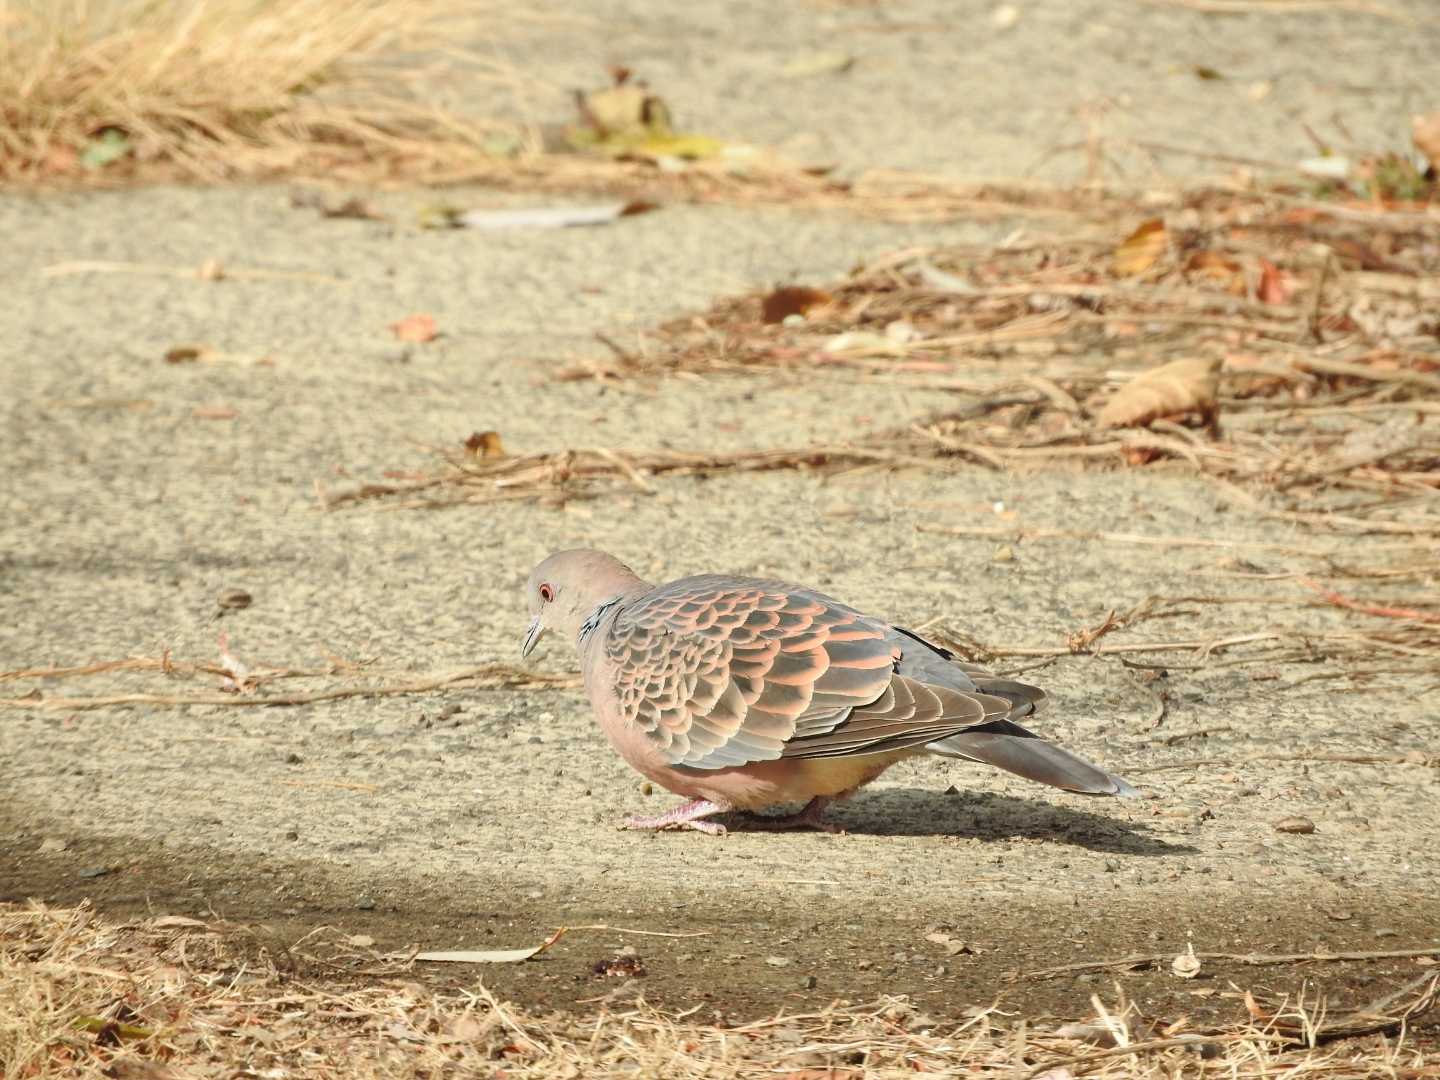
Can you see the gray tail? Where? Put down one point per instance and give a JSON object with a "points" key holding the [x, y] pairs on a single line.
{"points": [[1010, 747]]}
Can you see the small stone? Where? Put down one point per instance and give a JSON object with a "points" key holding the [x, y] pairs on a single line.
{"points": [[292, 834], [1295, 825], [1003, 554], [778, 961], [365, 903], [51, 844], [94, 871], [809, 982], [293, 759], [1387, 932]]}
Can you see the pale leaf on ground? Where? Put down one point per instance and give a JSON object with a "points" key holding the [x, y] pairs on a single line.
{"points": [[1175, 389], [1142, 249], [552, 217]]}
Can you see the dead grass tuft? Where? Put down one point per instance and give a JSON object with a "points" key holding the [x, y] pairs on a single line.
{"points": [[216, 88], [175, 996]]}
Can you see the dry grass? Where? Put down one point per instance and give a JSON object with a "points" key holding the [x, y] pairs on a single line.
{"points": [[178, 997], [216, 88]]}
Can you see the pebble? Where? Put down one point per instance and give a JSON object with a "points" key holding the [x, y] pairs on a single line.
{"points": [[94, 871], [778, 961], [365, 903], [1295, 825]]}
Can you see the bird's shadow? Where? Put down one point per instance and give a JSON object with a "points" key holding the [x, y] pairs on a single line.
{"points": [[984, 816]]}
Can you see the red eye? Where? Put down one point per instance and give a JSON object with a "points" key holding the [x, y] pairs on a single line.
{"points": [[547, 593]]}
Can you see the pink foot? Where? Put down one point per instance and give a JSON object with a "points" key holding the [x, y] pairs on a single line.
{"points": [[811, 817], [685, 816]]}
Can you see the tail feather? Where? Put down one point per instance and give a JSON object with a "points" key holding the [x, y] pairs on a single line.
{"points": [[1010, 747]]}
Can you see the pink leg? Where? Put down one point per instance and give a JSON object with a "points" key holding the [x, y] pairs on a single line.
{"points": [[685, 816], [811, 817]]}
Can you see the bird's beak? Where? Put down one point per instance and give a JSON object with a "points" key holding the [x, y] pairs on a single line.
{"points": [[532, 637]]}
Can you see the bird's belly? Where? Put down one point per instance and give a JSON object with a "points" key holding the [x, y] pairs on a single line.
{"points": [[763, 784]]}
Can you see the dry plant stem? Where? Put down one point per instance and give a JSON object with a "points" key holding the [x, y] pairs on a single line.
{"points": [[1061, 1066], [1413, 758], [180, 980], [489, 676], [1248, 959], [1002, 532], [200, 273]]}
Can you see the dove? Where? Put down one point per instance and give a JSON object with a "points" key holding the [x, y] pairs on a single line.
{"points": [[743, 694]]}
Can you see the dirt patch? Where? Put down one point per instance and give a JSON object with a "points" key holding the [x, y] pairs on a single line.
{"points": [[801, 942]]}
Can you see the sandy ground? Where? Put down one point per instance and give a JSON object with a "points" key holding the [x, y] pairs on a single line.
{"points": [[474, 818]]}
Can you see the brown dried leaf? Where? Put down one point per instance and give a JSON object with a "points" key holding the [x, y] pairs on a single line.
{"points": [[1217, 269], [1142, 249], [792, 300], [485, 444], [1425, 130], [1276, 286], [417, 328], [1174, 389]]}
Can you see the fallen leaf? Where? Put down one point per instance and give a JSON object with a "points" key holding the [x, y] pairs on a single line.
{"points": [[792, 300], [417, 328], [1209, 74], [627, 121], [1425, 130], [807, 65], [108, 147], [1217, 268], [361, 941], [1174, 389], [213, 412], [481, 956], [1095, 1034], [491, 956], [1328, 167], [185, 354], [1276, 286], [1141, 250], [485, 444], [177, 922], [1300, 825], [625, 108], [52, 844], [552, 217], [111, 1032]]}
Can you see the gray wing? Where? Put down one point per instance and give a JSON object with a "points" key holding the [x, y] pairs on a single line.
{"points": [[722, 671]]}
